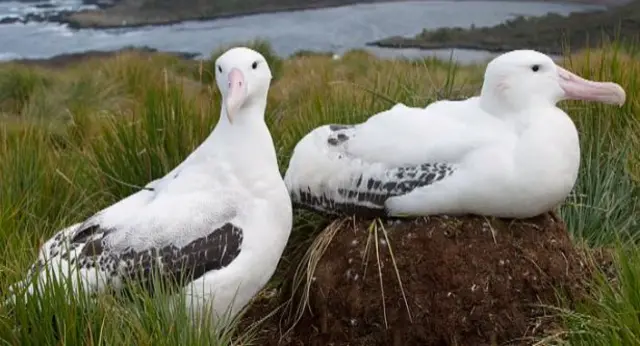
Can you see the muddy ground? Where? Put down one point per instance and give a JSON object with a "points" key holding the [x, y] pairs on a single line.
{"points": [[467, 281]]}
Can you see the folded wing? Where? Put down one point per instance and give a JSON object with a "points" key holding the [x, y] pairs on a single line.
{"points": [[146, 236], [355, 168]]}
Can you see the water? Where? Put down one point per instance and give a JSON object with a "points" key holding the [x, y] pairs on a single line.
{"points": [[14, 9], [333, 29]]}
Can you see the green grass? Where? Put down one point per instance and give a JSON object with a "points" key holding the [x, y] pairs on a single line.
{"points": [[609, 315], [75, 140], [56, 318], [605, 205]]}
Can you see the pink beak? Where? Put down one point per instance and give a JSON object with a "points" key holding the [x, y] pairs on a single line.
{"points": [[578, 88], [236, 94]]}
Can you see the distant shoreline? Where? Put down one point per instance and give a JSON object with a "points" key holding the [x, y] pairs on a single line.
{"points": [[122, 16], [110, 18], [66, 59], [550, 34], [397, 42]]}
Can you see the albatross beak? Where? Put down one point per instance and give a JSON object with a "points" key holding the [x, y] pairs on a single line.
{"points": [[236, 94], [578, 88]]}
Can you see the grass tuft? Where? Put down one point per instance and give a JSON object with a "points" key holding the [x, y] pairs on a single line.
{"points": [[610, 315]]}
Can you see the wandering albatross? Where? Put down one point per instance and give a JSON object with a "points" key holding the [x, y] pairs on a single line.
{"points": [[216, 225], [509, 152]]}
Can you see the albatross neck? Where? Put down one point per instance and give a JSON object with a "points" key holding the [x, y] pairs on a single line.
{"points": [[519, 113], [247, 116], [246, 138]]}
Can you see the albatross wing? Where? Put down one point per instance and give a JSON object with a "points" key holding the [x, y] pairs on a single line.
{"points": [[179, 237], [347, 169]]}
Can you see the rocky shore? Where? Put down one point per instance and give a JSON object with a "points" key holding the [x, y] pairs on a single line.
{"points": [[551, 34], [46, 16], [134, 13]]}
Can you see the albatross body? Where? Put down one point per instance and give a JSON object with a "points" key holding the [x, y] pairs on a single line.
{"points": [[220, 220], [509, 152]]}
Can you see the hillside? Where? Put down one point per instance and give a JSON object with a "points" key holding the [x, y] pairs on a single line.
{"points": [[550, 34], [79, 134]]}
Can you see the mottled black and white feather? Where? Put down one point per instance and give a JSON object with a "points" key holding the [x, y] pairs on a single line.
{"points": [[367, 194], [94, 257], [364, 169]]}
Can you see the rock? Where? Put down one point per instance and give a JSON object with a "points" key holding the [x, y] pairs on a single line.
{"points": [[10, 20], [101, 4], [27, 1], [33, 17], [53, 16], [45, 5], [467, 281]]}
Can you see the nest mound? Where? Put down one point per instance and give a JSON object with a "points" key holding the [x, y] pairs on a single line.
{"points": [[436, 281]]}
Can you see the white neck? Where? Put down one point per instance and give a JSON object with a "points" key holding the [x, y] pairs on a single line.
{"points": [[245, 144], [249, 114], [518, 112], [540, 127], [506, 102]]}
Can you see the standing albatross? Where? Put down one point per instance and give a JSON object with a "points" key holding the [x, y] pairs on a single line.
{"points": [[216, 225], [509, 152]]}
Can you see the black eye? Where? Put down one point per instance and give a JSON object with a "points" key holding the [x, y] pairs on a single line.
{"points": [[219, 69], [254, 65], [535, 68]]}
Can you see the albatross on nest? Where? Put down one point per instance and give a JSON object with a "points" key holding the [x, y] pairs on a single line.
{"points": [[216, 225], [509, 152]]}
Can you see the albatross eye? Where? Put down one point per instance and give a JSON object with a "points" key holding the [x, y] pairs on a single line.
{"points": [[219, 69], [254, 65], [535, 68]]}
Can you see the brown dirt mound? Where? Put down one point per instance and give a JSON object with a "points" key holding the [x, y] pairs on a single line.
{"points": [[467, 281]]}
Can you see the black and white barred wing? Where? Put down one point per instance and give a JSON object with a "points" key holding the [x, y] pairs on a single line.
{"points": [[98, 257], [355, 169], [361, 188]]}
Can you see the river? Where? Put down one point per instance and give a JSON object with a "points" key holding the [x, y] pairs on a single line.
{"points": [[331, 29]]}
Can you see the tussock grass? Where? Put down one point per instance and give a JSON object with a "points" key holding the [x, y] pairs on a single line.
{"points": [[604, 206], [77, 139], [17, 86], [54, 317], [610, 315]]}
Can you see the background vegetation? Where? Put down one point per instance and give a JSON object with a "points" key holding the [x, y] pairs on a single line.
{"points": [[70, 137]]}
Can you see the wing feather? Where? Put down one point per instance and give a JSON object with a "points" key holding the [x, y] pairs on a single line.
{"points": [[178, 237], [354, 169]]}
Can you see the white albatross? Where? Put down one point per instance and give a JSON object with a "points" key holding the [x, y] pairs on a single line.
{"points": [[509, 152], [222, 217]]}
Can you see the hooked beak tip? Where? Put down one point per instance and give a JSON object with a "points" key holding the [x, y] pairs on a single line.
{"points": [[229, 117], [622, 95], [619, 95]]}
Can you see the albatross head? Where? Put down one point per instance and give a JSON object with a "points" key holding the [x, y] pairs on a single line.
{"points": [[243, 78], [525, 78]]}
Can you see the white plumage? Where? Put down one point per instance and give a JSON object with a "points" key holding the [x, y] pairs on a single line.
{"points": [[223, 215], [509, 152]]}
